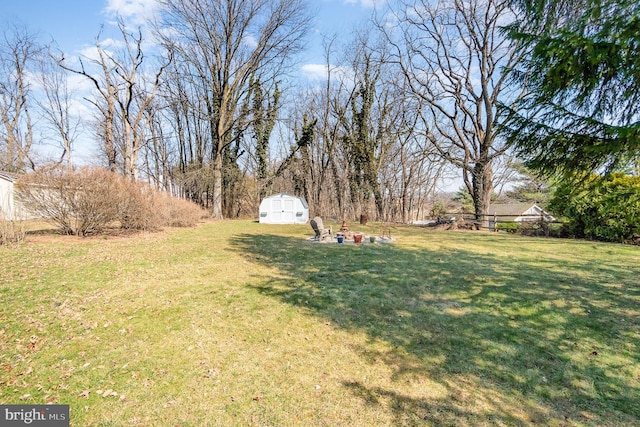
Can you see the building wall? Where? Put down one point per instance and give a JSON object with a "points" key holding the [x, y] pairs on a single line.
{"points": [[7, 207], [10, 208]]}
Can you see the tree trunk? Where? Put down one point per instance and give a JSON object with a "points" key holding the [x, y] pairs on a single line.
{"points": [[216, 191], [482, 182]]}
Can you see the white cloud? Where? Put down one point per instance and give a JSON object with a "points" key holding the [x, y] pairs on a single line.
{"points": [[89, 52], [315, 71], [250, 41], [78, 108], [108, 45], [319, 72], [367, 4], [111, 43], [134, 11], [78, 84]]}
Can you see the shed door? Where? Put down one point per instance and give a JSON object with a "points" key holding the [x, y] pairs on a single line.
{"points": [[283, 211]]}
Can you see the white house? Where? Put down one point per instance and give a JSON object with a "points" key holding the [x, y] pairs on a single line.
{"points": [[11, 209], [517, 212], [284, 209], [7, 202]]}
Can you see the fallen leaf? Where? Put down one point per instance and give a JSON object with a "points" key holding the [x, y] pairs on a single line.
{"points": [[211, 373], [25, 396], [84, 394]]}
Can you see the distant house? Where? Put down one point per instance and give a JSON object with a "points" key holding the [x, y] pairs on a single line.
{"points": [[517, 212], [10, 208], [7, 202]]}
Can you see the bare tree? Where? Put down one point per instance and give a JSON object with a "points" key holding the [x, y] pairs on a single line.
{"points": [[357, 151], [375, 118], [136, 99], [55, 105], [18, 50], [225, 43], [186, 134], [106, 103], [123, 98], [315, 166], [413, 168], [159, 155], [456, 60]]}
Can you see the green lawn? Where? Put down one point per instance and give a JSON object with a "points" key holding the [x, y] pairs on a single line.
{"points": [[240, 323]]}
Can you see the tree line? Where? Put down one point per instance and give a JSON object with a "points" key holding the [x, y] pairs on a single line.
{"points": [[205, 102]]}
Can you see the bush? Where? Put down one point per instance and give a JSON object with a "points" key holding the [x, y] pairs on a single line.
{"points": [[601, 208], [137, 208], [78, 202], [439, 209], [90, 200], [509, 227], [11, 232], [179, 212]]}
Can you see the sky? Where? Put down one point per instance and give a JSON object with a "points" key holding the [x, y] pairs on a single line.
{"points": [[74, 24]]}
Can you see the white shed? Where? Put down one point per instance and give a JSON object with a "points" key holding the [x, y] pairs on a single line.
{"points": [[284, 209]]}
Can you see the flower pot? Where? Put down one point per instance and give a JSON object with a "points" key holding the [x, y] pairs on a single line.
{"points": [[372, 239], [357, 238], [340, 239]]}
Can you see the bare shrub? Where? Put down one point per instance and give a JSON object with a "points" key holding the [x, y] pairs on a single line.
{"points": [[78, 202], [179, 212], [90, 200], [143, 208], [137, 206], [11, 232], [94, 206]]}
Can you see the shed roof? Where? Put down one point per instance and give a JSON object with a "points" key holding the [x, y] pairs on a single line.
{"points": [[282, 195]]}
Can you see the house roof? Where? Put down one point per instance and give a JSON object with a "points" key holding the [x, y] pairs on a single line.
{"points": [[511, 211], [8, 176]]}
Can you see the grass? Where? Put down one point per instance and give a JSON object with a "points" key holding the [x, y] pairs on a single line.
{"points": [[239, 323]]}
